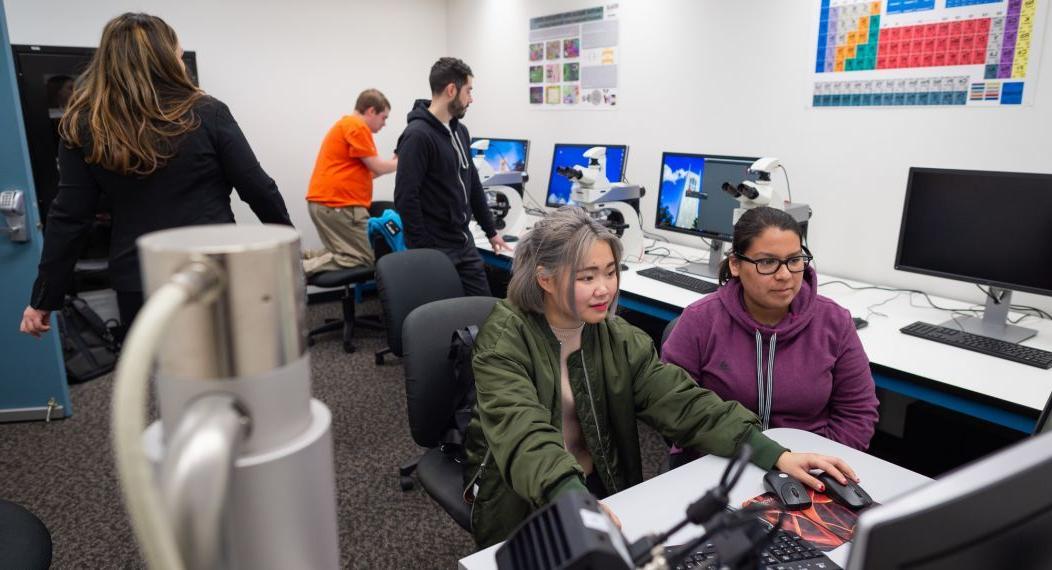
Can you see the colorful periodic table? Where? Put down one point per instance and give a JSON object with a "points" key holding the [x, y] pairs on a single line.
{"points": [[881, 53]]}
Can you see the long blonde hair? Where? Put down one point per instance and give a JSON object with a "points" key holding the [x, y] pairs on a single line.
{"points": [[134, 99]]}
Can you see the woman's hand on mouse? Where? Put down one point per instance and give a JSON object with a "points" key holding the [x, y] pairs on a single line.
{"points": [[799, 466]]}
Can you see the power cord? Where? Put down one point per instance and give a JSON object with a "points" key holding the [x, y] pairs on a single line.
{"points": [[788, 189], [1035, 312]]}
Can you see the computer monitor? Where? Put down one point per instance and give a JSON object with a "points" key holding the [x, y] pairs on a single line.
{"points": [[988, 228], [691, 201], [994, 513], [568, 155], [506, 155]]}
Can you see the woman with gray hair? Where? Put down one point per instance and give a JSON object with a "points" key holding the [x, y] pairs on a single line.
{"points": [[561, 382]]}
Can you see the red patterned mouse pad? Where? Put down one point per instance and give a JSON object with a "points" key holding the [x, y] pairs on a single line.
{"points": [[825, 524]]}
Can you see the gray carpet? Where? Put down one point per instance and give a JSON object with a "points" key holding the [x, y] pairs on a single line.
{"points": [[64, 471]]}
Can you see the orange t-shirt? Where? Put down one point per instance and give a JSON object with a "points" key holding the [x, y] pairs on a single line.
{"points": [[340, 178]]}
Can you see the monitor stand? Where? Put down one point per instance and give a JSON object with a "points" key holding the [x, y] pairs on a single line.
{"points": [[994, 323], [710, 269]]}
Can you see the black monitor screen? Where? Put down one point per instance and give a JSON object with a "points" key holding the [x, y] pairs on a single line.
{"points": [[506, 155], [992, 228], [568, 155], [690, 198]]}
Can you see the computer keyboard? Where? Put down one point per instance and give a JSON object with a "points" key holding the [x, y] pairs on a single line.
{"points": [[679, 280], [787, 552], [984, 344]]}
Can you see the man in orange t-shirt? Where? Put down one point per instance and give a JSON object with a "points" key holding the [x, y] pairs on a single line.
{"points": [[341, 187]]}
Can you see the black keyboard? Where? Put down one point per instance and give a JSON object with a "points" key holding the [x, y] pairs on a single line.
{"points": [[984, 344], [679, 280], [787, 552]]}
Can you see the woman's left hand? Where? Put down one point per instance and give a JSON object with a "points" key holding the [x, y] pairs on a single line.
{"points": [[799, 466]]}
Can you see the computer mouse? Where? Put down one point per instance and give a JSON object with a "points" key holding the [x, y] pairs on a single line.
{"points": [[850, 495], [510, 238], [624, 267], [859, 322], [790, 492]]}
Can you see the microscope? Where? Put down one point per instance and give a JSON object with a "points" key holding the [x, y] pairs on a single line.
{"points": [[607, 201], [751, 194], [238, 472], [505, 202], [761, 192]]}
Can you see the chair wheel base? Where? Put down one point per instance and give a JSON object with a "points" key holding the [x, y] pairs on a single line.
{"points": [[379, 359], [406, 483], [348, 347]]}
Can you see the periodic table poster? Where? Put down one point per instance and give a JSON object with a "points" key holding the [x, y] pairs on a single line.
{"points": [[884, 53], [573, 59]]}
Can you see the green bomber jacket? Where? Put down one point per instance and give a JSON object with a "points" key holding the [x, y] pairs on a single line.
{"points": [[517, 460]]}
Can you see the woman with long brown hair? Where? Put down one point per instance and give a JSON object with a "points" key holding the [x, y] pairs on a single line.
{"points": [[164, 154]]}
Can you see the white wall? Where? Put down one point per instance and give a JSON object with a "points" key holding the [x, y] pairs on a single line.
{"points": [[731, 77], [288, 70]]}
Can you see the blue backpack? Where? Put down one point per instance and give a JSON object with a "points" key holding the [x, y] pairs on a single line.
{"points": [[386, 230]]}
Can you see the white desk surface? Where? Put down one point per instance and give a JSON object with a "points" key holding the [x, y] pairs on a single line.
{"points": [[659, 503], [1005, 380]]}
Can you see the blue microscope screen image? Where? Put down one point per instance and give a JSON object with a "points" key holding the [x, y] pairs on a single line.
{"points": [[691, 199], [679, 196], [506, 155], [568, 155]]}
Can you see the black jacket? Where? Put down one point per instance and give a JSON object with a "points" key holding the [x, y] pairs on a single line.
{"points": [[436, 183], [192, 188]]}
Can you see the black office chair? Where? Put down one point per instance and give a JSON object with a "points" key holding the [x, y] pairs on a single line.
{"points": [[348, 279], [432, 398], [668, 330], [1043, 424], [24, 540], [685, 456], [408, 279]]}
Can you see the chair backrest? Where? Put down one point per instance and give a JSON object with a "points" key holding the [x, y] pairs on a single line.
{"points": [[430, 385], [376, 209], [408, 279], [1043, 424], [668, 330], [379, 244]]}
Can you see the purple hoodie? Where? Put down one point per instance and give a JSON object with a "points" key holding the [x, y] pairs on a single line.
{"points": [[807, 372]]}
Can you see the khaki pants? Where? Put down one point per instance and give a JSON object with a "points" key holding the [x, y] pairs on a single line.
{"points": [[345, 234]]}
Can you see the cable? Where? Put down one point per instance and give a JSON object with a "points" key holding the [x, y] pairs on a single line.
{"points": [[130, 389], [1041, 314], [788, 190]]}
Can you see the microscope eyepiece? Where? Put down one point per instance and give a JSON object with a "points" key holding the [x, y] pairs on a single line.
{"points": [[730, 189], [748, 191], [571, 173]]}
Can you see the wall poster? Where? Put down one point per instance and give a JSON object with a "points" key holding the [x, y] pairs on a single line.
{"points": [[573, 58]]}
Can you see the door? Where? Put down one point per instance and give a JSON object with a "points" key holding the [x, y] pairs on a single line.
{"points": [[32, 373]]}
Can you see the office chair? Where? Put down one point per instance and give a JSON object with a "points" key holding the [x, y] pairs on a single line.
{"points": [[668, 330], [408, 279], [685, 456], [1043, 424], [349, 279], [432, 398], [24, 540]]}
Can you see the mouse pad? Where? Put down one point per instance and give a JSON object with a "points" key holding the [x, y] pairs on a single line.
{"points": [[825, 524]]}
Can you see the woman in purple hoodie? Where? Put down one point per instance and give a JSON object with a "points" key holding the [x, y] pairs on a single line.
{"points": [[768, 339]]}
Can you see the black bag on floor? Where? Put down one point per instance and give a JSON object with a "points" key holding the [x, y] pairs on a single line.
{"points": [[88, 346]]}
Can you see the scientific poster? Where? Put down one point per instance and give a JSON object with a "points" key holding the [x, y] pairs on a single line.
{"points": [[573, 58], [884, 53]]}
